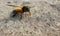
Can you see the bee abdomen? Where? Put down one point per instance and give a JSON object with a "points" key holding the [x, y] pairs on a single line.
{"points": [[14, 13]]}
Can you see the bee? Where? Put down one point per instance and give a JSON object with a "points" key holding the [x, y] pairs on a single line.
{"points": [[20, 10]]}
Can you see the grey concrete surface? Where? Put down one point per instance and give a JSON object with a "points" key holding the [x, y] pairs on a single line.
{"points": [[44, 19]]}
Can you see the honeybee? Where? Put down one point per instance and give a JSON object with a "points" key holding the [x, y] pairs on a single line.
{"points": [[20, 10]]}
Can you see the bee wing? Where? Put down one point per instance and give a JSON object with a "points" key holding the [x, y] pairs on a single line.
{"points": [[14, 6]]}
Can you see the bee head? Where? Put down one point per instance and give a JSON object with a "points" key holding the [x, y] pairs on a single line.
{"points": [[25, 9]]}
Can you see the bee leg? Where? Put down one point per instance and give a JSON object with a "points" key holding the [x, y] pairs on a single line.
{"points": [[20, 17], [29, 13]]}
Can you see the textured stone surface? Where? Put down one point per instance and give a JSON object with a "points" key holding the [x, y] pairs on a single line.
{"points": [[44, 20]]}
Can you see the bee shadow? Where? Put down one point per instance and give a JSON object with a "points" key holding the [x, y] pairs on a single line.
{"points": [[6, 20]]}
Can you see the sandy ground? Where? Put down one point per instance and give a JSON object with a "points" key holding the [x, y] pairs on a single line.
{"points": [[44, 20]]}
